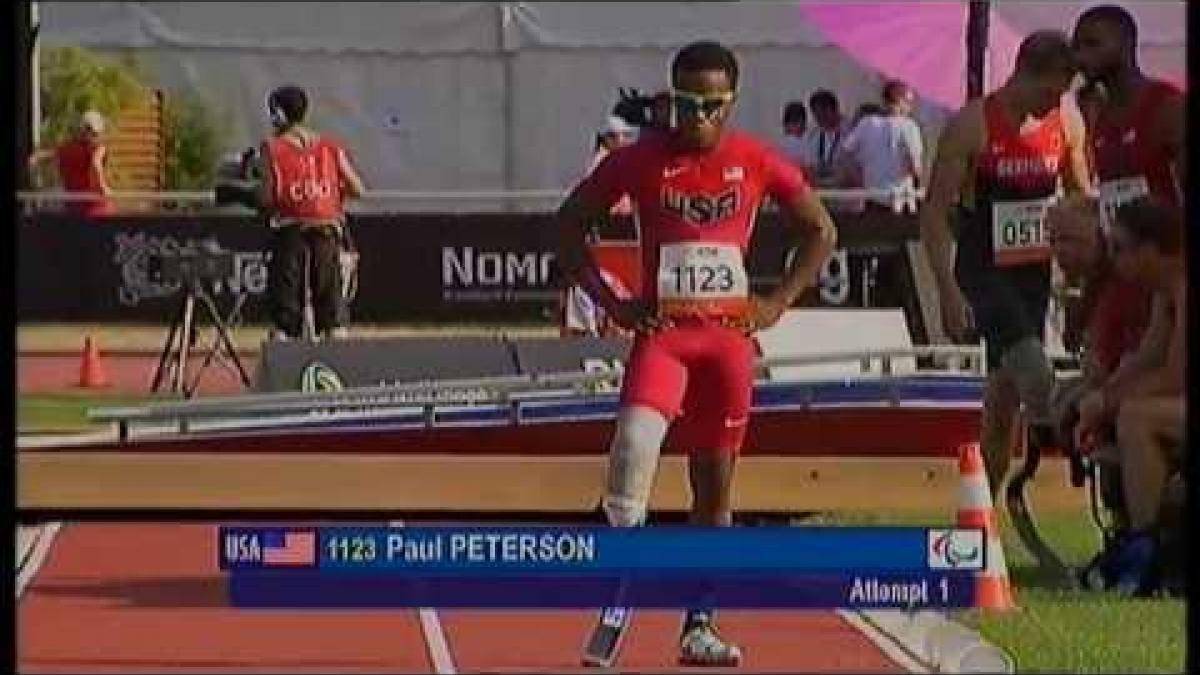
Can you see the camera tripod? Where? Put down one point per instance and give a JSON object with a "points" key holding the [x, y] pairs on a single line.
{"points": [[182, 337]]}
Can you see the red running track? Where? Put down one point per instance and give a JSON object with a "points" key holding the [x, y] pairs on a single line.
{"points": [[148, 598], [129, 374]]}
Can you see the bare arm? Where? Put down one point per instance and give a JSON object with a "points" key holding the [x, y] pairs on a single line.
{"points": [[575, 260], [266, 189], [98, 157], [808, 219], [350, 178], [1151, 355], [1078, 175], [1171, 127], [1165, 378], [950, 169]]}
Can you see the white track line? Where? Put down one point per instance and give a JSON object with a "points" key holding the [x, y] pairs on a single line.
{"points": [[435, 637], [28, 567], [886, 643]]}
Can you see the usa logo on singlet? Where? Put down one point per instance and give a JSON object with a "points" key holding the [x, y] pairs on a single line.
{"points": [[701, 209]]}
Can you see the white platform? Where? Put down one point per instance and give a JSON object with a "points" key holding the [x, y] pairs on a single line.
{"points": [[807, 332]]}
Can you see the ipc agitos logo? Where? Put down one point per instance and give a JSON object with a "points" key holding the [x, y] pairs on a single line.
{"points": [[318, 377], [955, 549]]}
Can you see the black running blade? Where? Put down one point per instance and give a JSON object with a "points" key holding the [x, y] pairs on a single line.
{"points": [[605, 642], [1021, 517]]}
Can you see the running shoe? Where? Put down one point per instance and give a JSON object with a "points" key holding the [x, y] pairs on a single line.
{"points": [[1134, 565], [701, 646]]}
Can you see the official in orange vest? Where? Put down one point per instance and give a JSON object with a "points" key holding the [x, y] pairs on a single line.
{"points": [[306, 179]]}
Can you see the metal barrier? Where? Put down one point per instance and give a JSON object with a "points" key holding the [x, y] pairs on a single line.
{"points": [[245, 412], [550, 196]]}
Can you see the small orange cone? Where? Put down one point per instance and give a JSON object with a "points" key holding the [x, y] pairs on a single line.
{"points": [[992, 589], [92, 374]]}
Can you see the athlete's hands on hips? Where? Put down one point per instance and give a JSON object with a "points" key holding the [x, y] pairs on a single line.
{"points": [[761, 313], [956, 316], [638, 316]]}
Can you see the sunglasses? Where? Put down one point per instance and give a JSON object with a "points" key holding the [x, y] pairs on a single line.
{"points": [[688, 104]]}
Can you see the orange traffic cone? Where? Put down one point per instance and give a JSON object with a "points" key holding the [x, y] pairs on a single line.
{"points": [[992, 589], [92, 374]]}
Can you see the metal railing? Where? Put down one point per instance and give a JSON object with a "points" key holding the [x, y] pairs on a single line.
{"points": [[258, 410], [547, 195]]}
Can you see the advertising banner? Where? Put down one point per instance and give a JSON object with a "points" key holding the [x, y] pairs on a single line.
{"points": [[426, 267]]}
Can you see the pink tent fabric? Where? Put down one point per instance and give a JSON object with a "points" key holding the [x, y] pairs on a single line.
{"points": [[924, 43], [1162, 31]]}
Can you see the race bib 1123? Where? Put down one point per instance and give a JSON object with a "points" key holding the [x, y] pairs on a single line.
{"points": [[702, 278]]}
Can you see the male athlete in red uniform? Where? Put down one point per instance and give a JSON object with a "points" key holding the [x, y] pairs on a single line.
{"points": [[1135, 125], [1004, 160], [307, 178], [696, 190]]}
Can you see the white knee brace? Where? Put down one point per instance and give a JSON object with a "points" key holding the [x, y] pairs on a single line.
{"points": [[632, 464]]}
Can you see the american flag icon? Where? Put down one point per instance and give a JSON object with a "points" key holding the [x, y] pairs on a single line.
{"points": [[289, 548]]}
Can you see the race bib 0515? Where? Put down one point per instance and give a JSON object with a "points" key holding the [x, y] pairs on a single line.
{"points": [[1019, 232]]}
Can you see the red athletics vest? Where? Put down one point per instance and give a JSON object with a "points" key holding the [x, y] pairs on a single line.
{"points": [[1129, 163], [307, 181], [75, 168], [1016, 179], [1126, 155]]}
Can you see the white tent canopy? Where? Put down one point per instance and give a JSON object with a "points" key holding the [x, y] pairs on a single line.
{"points": [[462, 96], [455, 96]]}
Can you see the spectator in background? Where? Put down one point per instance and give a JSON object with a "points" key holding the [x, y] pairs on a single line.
{"points": [[821, 144], [81, 166], [795, 123], [866, 110], [886, 150], [615, 133], [582, 316]]}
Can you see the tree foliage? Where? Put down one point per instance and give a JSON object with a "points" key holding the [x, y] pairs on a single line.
{"points": [[75, 80], [192, 144]]}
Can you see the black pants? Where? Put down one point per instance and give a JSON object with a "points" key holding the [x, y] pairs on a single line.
{"points": [[291, 246], [1009, 304]]}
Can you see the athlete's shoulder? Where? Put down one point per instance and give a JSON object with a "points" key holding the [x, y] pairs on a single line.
{"points": [[968, 127], [648, 145], [1166, 89], [1168, 99], [330, 142], [737, 140], [744, 147]]}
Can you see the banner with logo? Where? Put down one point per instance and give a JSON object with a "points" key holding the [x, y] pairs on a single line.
{"points": [[429, 267], [343, 364]]}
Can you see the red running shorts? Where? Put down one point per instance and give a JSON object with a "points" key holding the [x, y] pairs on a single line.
{"points": [[700, 373]]}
